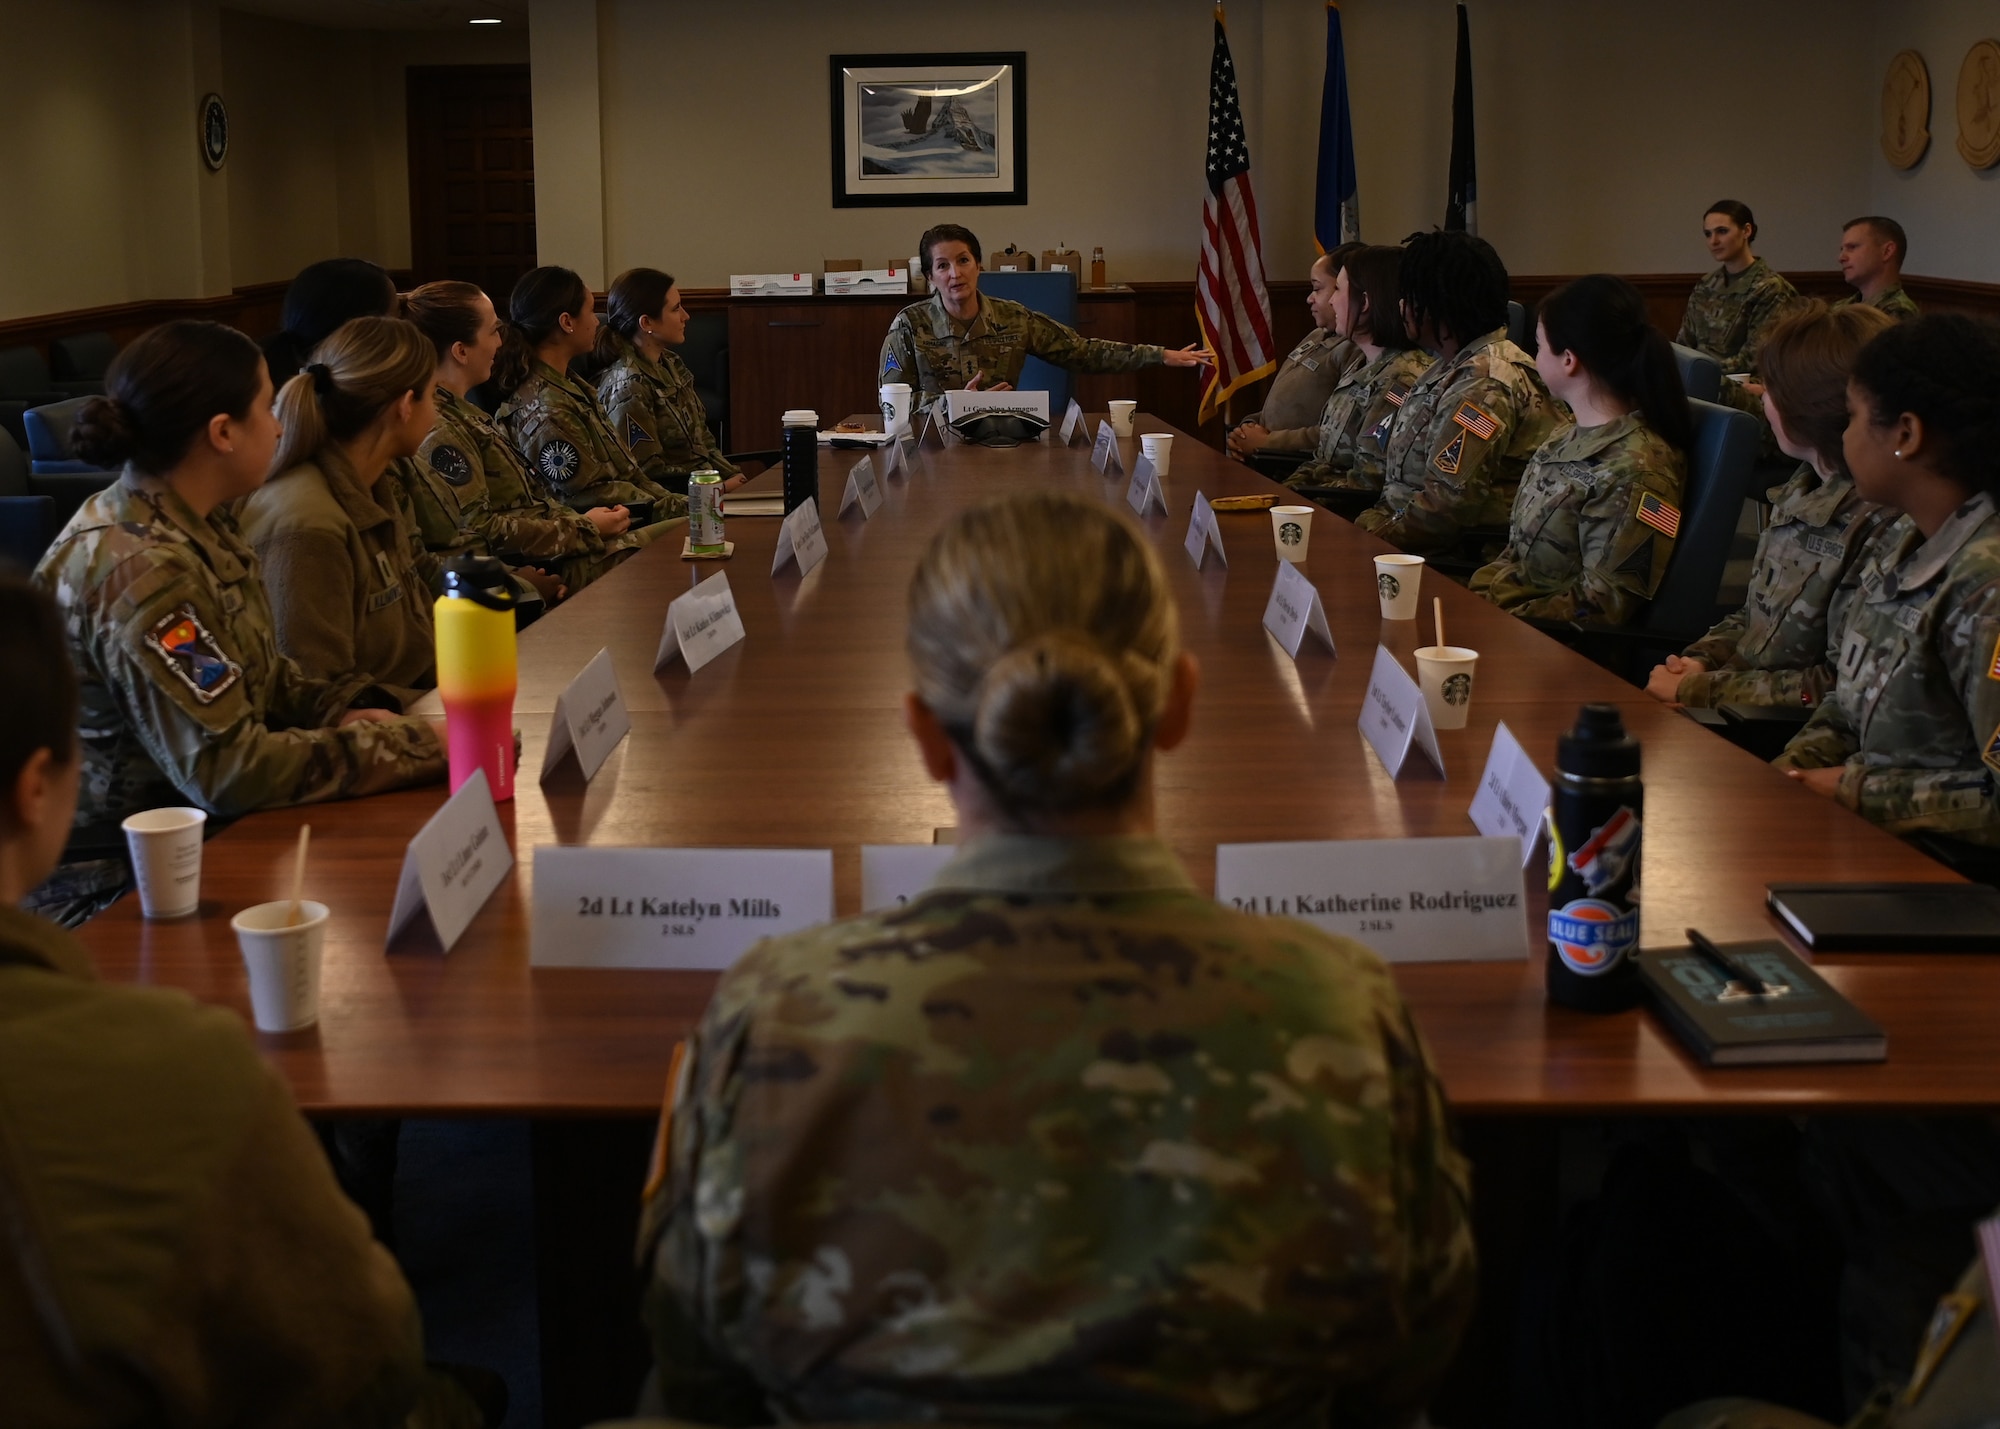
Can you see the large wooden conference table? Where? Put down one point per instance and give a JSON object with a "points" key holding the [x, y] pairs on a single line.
{"points": [[794, 739]]}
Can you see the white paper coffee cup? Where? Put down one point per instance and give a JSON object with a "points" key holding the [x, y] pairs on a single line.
{"points": [[895, 407], [165, 845], [1121, 415], [1159, 450], [1445, 673], [1396, 580], [283, 960], [1291, 530]]}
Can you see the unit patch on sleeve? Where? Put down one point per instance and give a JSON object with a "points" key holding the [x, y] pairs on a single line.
{"points": [[185, 647], [1662, 516], [1476, 421], [559, 462], [1991, 758], [451, 464], [1447, 460]]}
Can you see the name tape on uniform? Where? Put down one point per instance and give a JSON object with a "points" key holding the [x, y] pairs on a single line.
{"points": [[1512, 795], [671, 907], [701, 624], [800, 539], [453, 864], [590, 717], [1073, 424], [1143, 493], [1104, 457], [893, 874], [1395, 715], [1293, 609], [1204, 533], [1411, 900], [861, 489]]}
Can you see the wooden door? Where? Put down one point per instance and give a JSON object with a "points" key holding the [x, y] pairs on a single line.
{"points": [[472, 175]]}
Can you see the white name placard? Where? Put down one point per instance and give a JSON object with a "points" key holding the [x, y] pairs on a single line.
{"points": [[1394, 716], [1104, 455], [671, 907], [453, 864], [590, 717], [1512, 794], [701, 624], [1411, 900], [963, 402], [800, 539], [1293, 609], [1143, 493], [893, 457], [893, 874], [861, 489], [1073, 425], [1204, 533]]}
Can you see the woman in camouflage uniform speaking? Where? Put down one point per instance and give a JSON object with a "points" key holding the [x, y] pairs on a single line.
{"points": [[647, 391]]}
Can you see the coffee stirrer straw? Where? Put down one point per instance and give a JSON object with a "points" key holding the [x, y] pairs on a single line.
{"points": [[1437, 615], [298, 915]]}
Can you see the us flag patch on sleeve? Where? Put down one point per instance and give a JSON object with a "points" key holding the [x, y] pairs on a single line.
{"points": [[1475, 421], [1662, 516]]}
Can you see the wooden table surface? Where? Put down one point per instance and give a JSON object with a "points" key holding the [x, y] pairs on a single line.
{"points": [[793, 739]]}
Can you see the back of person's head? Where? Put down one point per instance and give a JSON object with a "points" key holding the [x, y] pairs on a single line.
{"points": [[1737, 212], [1043, 637], [1603, 320], [353, 376], [1805, 364], [1942, 369], [1454, 281], [161, 392], [1375, 295], [1884, 230], [636, 293], [948, 233], [446, 312], [541, 299], [36, 672], [321, 298]]}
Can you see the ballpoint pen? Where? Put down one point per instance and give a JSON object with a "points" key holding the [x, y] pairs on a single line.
{"points": [[1734, 970]]}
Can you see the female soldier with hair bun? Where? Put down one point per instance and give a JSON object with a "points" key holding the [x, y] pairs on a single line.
{"points": [[1060, 1077], [1367, 311], [557, 423], [337, 551], [1733, 309], [1594, 524], [647, 390], [185, 694]]}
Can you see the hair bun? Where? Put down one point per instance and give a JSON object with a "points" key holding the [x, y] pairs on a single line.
{"points": [[1055, 723], [104, 433]]}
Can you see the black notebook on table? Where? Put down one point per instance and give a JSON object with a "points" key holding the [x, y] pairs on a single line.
{"points": [[1808, 1022], [1890, 917]]}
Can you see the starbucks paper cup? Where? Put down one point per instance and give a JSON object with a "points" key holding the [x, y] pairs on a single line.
{"points": [[1159, 450], [895, 407], [165, 845], [1121, 416], [1291, 530], [1396, 581], [283, 960], [1445, 673]]}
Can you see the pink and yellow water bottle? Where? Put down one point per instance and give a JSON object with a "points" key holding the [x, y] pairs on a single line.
{"points": [[476, 670]]}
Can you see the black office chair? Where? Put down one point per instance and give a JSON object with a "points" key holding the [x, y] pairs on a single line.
{"points": [[705, 350], [78, 363], [1277, 465], [24, 382], [1344, 502], [27, 525], [1520, 326]]}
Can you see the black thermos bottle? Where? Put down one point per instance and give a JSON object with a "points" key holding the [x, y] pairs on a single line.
{"points": [[1594, 865], [801, 457]]}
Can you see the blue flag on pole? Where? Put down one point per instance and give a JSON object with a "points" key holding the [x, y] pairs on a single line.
{"points": [[1336, 195]]}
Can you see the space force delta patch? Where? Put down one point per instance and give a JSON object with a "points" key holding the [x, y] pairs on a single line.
{"points": [[187, 649], [635, 435], [1447, 460], [558, 461]]}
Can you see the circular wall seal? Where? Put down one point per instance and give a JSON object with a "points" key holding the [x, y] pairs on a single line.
{"points": [[1906, 110], [1979, 105], [214, 131]]}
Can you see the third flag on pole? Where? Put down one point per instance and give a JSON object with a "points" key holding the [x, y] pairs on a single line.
{"points": [[1461, 209], [1336, 195]]}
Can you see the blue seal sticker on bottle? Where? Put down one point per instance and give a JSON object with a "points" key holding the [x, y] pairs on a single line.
{"points": [[1592, 936]]}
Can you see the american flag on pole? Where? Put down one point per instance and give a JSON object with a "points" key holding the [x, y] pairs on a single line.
{"points": [[1231, 304]]}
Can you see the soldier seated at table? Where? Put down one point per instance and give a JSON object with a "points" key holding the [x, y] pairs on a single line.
{"points": [[958, 338], [1872, 250], [186, 697], [1289, 419], [1061, 1139], [1455, 453], [1599, 507]]}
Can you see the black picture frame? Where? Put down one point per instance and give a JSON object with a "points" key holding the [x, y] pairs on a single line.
{"points": [[851, 77]]}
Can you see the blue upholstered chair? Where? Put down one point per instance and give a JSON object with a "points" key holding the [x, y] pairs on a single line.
{"points": [[1053, 294], [1701, 374]]}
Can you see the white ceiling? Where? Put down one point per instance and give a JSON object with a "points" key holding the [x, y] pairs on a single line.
{"points": [[386, 14]]}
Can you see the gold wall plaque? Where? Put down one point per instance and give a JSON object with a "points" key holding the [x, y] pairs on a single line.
{"points": [[1979, 105], [1906, 110]]}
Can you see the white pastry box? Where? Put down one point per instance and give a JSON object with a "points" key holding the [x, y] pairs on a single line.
{"points": [[867, 280], [770, 285]]}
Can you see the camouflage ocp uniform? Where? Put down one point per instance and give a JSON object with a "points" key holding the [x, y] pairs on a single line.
{"points": [[1593, 527], [1729, 316], [1301, 388], [1775, 650], [936, 353], [1893, 301], [1354, 425], [432, 516], [562, 433], [1059, 1139], [655, 406], [1914, 714], [1459, 444]]}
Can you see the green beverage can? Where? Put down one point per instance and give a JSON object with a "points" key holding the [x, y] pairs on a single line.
{"points": [[705, 512]]}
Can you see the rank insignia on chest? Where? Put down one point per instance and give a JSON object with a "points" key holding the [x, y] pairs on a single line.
{"points": [[184, 645], [451, 464], [1662, 516], [558, 461], [1475, 421], [634, 433], [1447, 460]]}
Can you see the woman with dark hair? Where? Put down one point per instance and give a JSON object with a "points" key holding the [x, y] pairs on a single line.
{"points": [[1909, 736], [186, 697], [1774, 651], [1732, 310], [1594, 525], [1288, 421], [323, 297], [647, 391], [1366, 310], [558, 425]]}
